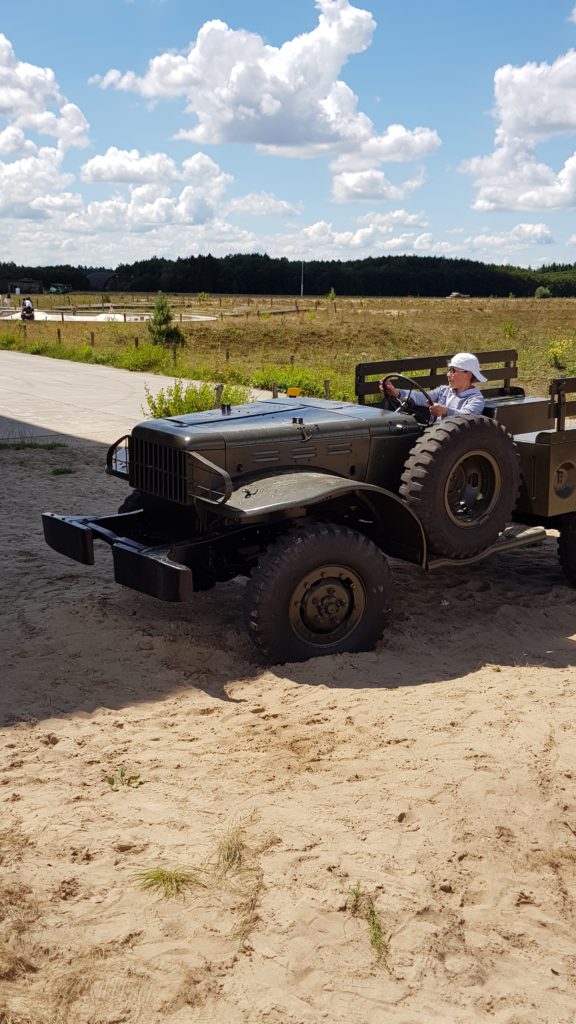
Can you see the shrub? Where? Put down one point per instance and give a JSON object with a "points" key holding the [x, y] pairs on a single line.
{"points": [[562, 355], [178, 399], [542, 292]]}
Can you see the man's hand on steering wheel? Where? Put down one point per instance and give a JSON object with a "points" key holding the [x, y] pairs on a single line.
{"points": [[393, 393]]}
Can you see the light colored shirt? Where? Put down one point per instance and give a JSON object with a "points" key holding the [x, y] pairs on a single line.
{"points": [[469, 402]]}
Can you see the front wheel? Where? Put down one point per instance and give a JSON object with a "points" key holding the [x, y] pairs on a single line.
{"points": [[321, 590], [567, 547]]}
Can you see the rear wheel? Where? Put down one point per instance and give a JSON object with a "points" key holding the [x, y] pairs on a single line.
{"points": [[462, 479], [323, 590], [567, 547]]}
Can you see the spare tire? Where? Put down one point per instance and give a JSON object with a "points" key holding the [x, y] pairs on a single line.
{"points": [[462, 479]]}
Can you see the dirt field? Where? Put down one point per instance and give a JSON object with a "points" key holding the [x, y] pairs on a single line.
{"points": [[385, 837]]}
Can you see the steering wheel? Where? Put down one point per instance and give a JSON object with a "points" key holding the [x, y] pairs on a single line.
{"points": [[420, 412]]}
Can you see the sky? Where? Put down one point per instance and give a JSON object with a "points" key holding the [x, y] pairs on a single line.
{"points": [[314, 129]]}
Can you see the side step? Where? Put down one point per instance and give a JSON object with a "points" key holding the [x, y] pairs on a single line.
{"points": [[507, 541]]}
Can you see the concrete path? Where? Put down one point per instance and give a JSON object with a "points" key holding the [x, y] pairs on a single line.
{"points": [[48, 398]]}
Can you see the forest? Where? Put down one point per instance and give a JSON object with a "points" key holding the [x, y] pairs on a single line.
{"points": [[259, 274]]}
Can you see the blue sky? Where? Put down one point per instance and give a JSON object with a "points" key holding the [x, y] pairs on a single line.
{"points": [[316, 129]]}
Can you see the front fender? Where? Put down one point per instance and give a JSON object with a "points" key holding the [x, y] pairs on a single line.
{"points": [[398, 530]]}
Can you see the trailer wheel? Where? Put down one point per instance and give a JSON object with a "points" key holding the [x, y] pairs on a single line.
{"points": [[322, 590], [462, 479], [567, 547]]}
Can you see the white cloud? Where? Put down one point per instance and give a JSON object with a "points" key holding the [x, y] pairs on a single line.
{"points": [[31, 100], [534, 102], [204, 174], [287, 100], [396, 145], [572, 15], [522, 236], [121, 165], [371, 185], [57, 204], [322, 241], [394, 217], [13, 142], [244, 90], [24, 180], [262, 204]]}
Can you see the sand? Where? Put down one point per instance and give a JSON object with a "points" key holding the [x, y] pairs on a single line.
{"points": [[382, 837]]}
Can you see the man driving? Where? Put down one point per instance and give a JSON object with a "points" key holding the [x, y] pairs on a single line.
{"points": [[459, 396]]}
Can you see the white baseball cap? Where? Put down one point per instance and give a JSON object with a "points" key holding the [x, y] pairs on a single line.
{"points": [[469, 362]]}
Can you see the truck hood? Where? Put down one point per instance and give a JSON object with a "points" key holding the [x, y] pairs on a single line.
{"points": [[269, 420]]}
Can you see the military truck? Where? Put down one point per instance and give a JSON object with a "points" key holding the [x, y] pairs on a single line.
{"points": [[308, 498]]}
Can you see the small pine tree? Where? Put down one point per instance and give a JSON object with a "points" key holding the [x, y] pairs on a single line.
{"points": [[542, 292], [162, 329]]}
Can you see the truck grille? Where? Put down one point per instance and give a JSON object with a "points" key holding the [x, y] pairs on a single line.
{"points": [[157, 469]]}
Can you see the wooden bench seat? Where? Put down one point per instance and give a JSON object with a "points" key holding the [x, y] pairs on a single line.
{"points": [[505, 400]]}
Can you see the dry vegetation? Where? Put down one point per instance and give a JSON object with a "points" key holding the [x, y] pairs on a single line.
{"points": [[258, 340]]}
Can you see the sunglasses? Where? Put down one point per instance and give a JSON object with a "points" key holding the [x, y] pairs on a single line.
{"points": [[454, 369]]}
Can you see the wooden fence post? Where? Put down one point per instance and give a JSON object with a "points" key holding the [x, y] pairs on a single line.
{"points": [[92, 338], [292, 361], [136, 342], [59, 335], [218, 395], [326, 389], [274, 390]]}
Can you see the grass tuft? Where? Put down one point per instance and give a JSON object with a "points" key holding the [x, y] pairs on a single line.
{"points": [[171, 882], [231, 851], [360, 904]]}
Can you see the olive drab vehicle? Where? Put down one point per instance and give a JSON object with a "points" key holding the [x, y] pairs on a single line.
{"points": [[307, 498]]}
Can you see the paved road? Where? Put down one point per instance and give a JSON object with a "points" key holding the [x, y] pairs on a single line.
{"points": [[42, 397]]}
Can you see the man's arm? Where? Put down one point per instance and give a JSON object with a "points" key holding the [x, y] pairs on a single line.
{"points": [[473, 405]]}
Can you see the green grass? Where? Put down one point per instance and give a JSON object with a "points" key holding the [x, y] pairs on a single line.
{"points": [[322, 341]]}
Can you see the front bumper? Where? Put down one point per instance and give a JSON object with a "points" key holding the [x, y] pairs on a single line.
{"points": [[153, 569]]}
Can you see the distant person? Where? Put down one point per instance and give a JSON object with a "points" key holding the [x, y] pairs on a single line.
{"points": [[459, 396], [27, 311], [7, 300]]}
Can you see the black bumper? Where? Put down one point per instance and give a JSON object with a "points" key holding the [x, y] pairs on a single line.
{"points": [[153, 570]]}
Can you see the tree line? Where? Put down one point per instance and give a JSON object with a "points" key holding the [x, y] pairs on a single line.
{"points": [[257, 274]]}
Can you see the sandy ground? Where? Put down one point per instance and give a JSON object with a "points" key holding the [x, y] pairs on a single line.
{"points": [[385, 837]]}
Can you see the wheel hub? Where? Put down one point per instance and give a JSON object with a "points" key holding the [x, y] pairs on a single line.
{"points": [[472, 488], [329, 601]]}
